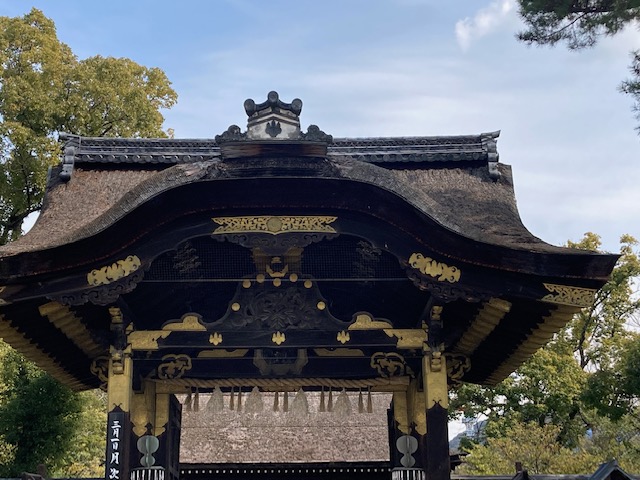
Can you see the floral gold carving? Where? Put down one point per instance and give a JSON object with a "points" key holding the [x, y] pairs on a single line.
{"points": [[409, 338], [364, 321], [438, 270], [274, 225], [146, 339], [390, 364], [188, 323], [215, 338], [565, 295], [174, 366], [343, 337], [115, 271], [278, 338]]}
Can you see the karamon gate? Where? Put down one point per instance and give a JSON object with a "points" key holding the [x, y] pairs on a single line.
{"points": [[274, 260]]}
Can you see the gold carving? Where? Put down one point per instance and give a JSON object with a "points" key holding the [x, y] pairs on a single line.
{"points": [[174, 366], [119, 385], [401, 412], [274, 225], [215, 338], [364, 321], [146, 339], [457, 366], [113, 272], [222, 353], [390, 364], [321, 305], [338, 352], [409, 338], [434, 368], [428, 266], [100, 368], [417, 407], [343, 337], [188, 323], [436, 313], [573, 296], [278, 338]]}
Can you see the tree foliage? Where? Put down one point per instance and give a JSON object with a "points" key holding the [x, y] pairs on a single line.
{"points": [[584, 383], [580, 24], [46, 89]]}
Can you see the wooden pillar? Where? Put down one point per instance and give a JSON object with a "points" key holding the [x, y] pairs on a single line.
{"points": [[119, 389], [407, 434], [436, 392]]}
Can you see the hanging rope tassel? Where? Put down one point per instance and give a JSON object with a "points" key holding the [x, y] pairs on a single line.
{"points": [[276, 402], [196, 401], [369, 402], [187, 402], [322, 407], [360, 402], [239, 399], [231, 402], [285, 403], [330, 401]]}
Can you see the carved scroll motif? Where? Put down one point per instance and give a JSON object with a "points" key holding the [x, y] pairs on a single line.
{"points": [[390, 364], [174, 366], [438, 270], [113, 272], [573, 296], [274, 224]]}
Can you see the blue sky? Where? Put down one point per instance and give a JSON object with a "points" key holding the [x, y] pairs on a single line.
{"points": [[394, 68]]}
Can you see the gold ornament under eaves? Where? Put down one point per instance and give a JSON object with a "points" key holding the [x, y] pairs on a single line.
{"points": [[110, 273], [274, 225], [438, 270], [573, 296]]}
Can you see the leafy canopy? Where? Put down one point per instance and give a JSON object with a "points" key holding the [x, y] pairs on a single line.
{"points": [[580, 24], [45, 89]]}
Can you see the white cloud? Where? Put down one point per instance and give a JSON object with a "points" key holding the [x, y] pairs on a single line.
{"points": [[484, 22]]}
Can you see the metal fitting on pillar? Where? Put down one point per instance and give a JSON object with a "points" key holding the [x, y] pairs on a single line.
{"points": [[407, 474]]}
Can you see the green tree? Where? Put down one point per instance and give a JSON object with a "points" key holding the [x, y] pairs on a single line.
{"points": [[584, 380], [46, 89], [581, 24]]}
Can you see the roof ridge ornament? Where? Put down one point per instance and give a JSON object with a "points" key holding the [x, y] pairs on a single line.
{"points": [[273, 122]]}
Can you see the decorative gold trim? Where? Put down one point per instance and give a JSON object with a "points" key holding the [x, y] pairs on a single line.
{"points": [[222, 353], [409, 338], [174, 366], [162, 412], [215, 338], [428, 266], [274, 225], [434, 371], [115, 271], [146, 339], [401, 411], [364, 321], [278, 338], [390, 364], [119, 386], [566, 295], [486, 320], [557, 318], [417, 407], [72, 327], [339, 352], [188, 323], [343, 337]]}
